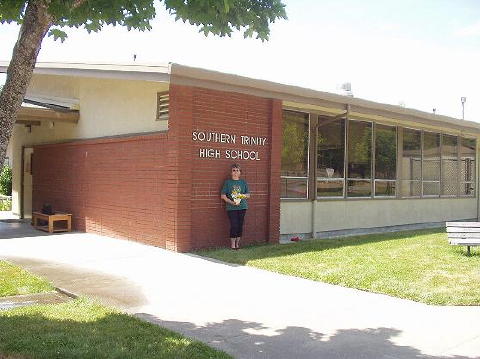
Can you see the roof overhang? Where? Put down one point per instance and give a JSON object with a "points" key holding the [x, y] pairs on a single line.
{"points": [[153, 73], [34, 114], [324, 101], [191, 76]]}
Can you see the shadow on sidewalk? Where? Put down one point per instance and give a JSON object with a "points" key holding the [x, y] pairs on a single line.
{"points": [[15, 228], [253, 341]]}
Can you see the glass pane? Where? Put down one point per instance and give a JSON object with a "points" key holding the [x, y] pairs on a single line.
{"points": [[295, 144], [411, 188], [330, 148], [330, 188], [359, 188], [431, 156], [385, 152], [449, 177], [467, 168], [412, 155], [467, 189], [467, 155], [431, 188], [449, 165], [296, 188], [449, 147], [283, 187], [385, 188], [449, 188], [359, 149]]}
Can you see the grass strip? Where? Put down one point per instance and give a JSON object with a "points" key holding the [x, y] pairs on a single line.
{"points": [[84, 329], [417, 265], [16, 281]]}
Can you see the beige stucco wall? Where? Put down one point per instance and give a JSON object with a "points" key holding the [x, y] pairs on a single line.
{"points": [[107, 108], [296, 217]]}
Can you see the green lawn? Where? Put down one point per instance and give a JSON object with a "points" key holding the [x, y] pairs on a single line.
{"points": [[83, 329], [417, 265], [14, 281]]}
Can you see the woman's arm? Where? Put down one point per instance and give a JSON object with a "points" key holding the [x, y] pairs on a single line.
{"points": [[228, 200]]}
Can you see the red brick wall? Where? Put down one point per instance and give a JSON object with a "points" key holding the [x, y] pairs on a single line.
{"points": [[230, 113], [155, 188], [114, 187]]}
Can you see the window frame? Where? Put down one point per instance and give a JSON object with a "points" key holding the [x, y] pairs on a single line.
{"points": [[306, 198]]}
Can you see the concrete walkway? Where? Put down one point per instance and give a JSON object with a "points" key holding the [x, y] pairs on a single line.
{"points": [[247, 312]]}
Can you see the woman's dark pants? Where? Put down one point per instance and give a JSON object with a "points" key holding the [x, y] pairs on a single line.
{"points": [[236, 218]]}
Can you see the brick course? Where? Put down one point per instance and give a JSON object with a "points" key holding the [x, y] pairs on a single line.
{"points": [[155, 188]]}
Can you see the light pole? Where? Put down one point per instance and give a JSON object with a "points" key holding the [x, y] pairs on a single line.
{"points": [[463, 99]]}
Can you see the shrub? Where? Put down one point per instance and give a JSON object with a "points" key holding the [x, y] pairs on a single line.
{"points": [[6, 181], [5, 205]]}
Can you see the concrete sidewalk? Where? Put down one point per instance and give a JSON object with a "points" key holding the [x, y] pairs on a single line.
{"points": [[247, 312]]}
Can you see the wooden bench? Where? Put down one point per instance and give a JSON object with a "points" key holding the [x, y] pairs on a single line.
{"points": [[464, 234], [51, 219]]}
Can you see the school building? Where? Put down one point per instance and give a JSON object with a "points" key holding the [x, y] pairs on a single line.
{"points": [[141, 152]]}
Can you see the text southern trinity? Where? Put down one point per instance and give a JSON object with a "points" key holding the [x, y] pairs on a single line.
{"points": [[217, 137]]}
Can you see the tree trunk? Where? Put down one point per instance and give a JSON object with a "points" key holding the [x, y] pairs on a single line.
{"points": [[35, 25]]}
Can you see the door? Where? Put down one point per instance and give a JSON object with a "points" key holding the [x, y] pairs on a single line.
{"points": [[27, 182]]}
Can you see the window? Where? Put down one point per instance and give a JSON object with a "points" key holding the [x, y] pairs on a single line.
{"points": [[294, 168], [431, 164], [359, 159], [163, 102], [330, 157], [385, 160], [411, 177], [449, 165], [467, 166]]}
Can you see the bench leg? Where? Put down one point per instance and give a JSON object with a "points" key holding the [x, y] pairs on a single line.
{"points": [[50, 225], [468, 250]]}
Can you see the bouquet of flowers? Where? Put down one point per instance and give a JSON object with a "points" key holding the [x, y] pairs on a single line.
{"points": [[237, 197]]}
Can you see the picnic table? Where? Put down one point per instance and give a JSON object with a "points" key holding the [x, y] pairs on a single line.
{"points": [[464, 234]]}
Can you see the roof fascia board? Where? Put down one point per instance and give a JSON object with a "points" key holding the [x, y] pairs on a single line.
{"points": [[121, 72], [106, 74]]}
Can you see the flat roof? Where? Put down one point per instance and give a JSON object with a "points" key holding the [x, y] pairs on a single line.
{"points": [[192, 76]]}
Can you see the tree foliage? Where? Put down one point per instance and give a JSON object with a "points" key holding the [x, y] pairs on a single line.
{"points": [[219, 17], [6, 181], [41, 17]]}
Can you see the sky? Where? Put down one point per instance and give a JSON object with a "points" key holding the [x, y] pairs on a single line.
{"points": [[420, 54]]}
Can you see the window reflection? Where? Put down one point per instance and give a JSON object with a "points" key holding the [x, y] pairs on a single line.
{"points": [[449, 165], [294, 166], [330, 157]]}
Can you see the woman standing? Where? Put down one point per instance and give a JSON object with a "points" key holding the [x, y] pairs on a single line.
{"points": [[235, 193]]}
